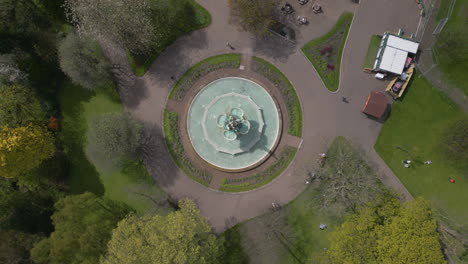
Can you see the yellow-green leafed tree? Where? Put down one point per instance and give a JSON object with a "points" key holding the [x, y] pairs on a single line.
{"points": [[180, 237], [387, 233], [410, 236], [23, 149]]}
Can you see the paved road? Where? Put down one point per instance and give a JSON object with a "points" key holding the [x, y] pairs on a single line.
{"points": [[325, 115]]}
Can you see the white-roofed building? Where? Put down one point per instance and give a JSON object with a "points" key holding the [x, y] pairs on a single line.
{"points": [[394, 52]]}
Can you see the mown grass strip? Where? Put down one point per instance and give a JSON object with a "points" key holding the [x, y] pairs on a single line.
{"points": [[372, 51], [176, 149], [290, 97], [231, 60], [262, 178]]}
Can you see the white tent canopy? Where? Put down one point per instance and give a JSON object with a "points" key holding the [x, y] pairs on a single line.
{"points": [[393, 53]]}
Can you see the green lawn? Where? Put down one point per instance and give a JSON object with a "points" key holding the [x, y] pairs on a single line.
{"points": [[443, 9], [372, 51], [416, 125], [304, 219], [287, 90], [132, 184], [451, 49], [201, 18], [325, 52]]}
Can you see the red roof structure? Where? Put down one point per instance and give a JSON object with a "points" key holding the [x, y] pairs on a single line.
{"points": [[376, 104]]}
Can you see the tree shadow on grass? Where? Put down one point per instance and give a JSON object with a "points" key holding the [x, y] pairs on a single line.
{"points": [[82, 175], [156, 156]]}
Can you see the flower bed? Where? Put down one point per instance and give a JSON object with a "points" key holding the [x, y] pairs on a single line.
{"points": [[325, 52]]}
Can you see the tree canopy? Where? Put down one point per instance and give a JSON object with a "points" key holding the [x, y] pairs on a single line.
{"points": [[181, 237], [23, 149], [388, 233], [115, 136], [255, 16], [82, 59], [24, 211], [128, 23], [346, 181], [19, 106], [83, 225], [15, 246]]}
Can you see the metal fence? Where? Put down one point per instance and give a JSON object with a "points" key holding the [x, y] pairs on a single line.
{"points": [[429, 29]]}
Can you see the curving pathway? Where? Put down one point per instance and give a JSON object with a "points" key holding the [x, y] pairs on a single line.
{"points": [[325, 115]]}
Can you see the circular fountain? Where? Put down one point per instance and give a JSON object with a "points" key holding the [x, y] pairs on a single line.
{"points": [[233, 124]]}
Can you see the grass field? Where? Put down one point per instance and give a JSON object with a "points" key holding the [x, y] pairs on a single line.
{"points": [[451, 48], [443, 9], [132, 184], [414, 131], [372, 51], [202, 19], [325, 52]]}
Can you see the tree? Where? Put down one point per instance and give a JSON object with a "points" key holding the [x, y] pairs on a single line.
{"points": [[387, 233], [255, 16], [455, 142], [82, 59], [346, 180], [19, 17], [180, 237], [115, 136], [23, 149], [410, 236], [82, 227], [129, 23], [24, 211], [15, 246], [19, 106]]}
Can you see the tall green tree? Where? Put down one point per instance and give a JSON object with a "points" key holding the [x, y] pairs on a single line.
{"points": [[23, 149], [255, 16], [82, 227], [182, 237], [82, 59], [24, 211], [20, 17], [388, 233], [15, 246], [19, 106]]}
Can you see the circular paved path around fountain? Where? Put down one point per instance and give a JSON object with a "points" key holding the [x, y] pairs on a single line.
{"points": [[325, 115]]}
